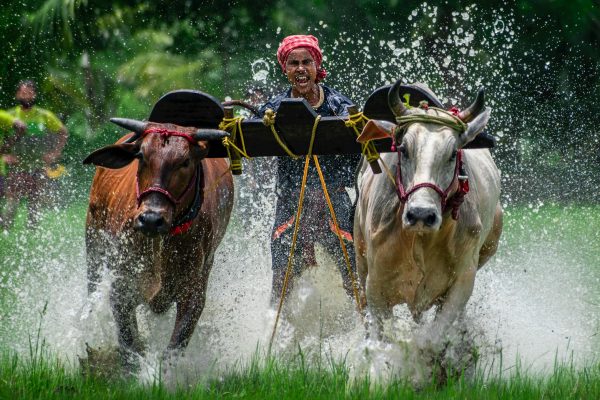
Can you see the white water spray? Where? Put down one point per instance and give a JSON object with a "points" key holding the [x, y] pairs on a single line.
{"points": [[531, 301]]}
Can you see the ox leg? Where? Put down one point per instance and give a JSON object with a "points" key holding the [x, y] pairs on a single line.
{"points": [[491, 242], [448, 350], [377, 314], [190, 305], [188, 314], [452, 307], [124, 312], [95, 255]]}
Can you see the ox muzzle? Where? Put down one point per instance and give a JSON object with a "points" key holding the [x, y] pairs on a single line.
{"points": [[155, 216]]}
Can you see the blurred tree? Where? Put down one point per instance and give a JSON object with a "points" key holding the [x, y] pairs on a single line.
{"points": [[96, 58]]}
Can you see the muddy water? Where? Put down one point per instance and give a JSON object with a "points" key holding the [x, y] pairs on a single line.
{"points": [[535, 301]]}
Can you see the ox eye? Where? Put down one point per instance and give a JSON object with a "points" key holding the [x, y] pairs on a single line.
{"points": [[403, 151], [185, 164]]}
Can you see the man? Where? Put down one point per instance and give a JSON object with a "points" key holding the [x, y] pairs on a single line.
{"points": [[35, 151], [8, 124], [300, 58]]}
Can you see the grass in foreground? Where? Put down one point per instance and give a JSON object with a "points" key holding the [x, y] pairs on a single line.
{"points": [[44, 377]]}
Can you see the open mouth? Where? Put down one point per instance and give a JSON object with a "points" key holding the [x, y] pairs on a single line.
{"points": [[301, 80]]}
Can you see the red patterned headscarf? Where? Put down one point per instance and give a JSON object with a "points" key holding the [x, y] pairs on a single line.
{"points": [[310, 43]]}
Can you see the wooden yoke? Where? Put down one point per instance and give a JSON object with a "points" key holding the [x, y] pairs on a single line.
{"points": [[293, 124]]}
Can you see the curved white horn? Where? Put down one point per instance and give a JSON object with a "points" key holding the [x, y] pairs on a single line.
{"points": [[394, 101], [469, 113]]}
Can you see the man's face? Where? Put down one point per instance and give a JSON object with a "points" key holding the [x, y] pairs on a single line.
{"points": [[301, 70], [26, 95]]}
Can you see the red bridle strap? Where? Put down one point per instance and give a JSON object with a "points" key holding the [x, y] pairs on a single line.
{"points": [[165, 133], [165, 192], [455, 201]]}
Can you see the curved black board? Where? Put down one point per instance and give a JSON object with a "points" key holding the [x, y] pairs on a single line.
{"points": [[293, 122], [376, 107], [188, 108]]}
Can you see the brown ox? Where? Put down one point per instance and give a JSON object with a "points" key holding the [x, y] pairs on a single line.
{"points": [[158, 210], [421, 240]]}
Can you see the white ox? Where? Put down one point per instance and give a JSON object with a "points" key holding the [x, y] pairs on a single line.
{"points": [[413, 251]]}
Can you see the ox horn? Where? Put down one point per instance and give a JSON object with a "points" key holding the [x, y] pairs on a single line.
{"points": [[394, 101], [209, 134], [138, 127], [468, 114]]}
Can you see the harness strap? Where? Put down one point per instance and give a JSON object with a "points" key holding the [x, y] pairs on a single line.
{"points": [[463, 183], [339, 234], [296, 226], [165, 133], [161, 190], [184, 223], [355, 121], [457, 198]]}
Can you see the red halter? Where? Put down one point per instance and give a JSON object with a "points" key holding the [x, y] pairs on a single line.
{"points": [[454, 202], [196, 180]]}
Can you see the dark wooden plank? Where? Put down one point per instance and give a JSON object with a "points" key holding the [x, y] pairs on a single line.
{"points": [[376, 107], [188, 108], [294, 121]]}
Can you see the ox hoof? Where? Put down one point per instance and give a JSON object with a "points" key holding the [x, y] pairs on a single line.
{"points": [[130, 362], [103, 363]]}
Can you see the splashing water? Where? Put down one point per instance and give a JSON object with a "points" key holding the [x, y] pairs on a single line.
{"points": [[531, 301]]}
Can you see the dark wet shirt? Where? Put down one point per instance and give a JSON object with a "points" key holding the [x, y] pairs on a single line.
{"points": [[338, 170]]}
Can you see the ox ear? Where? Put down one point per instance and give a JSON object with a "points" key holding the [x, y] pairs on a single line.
{"points": [[114, 156], [376, 129], [474, 128]]}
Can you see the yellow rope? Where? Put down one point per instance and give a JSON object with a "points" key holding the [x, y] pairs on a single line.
{"points": [[337, 230], [355, 121], [228, 143], [269, 120], [234, 153], [454, 122], [296, 227]]}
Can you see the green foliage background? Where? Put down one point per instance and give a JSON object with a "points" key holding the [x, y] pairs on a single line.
{"points": [[95, 59]]}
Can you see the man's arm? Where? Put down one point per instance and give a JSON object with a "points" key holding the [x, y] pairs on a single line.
{"points": [[56, 151], [11, 130], [54, 125]]}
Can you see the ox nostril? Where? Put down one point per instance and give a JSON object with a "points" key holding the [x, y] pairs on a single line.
{"points": [[430, 219], [419, 214], [411, 218], [151, 221], [141, 219]]}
